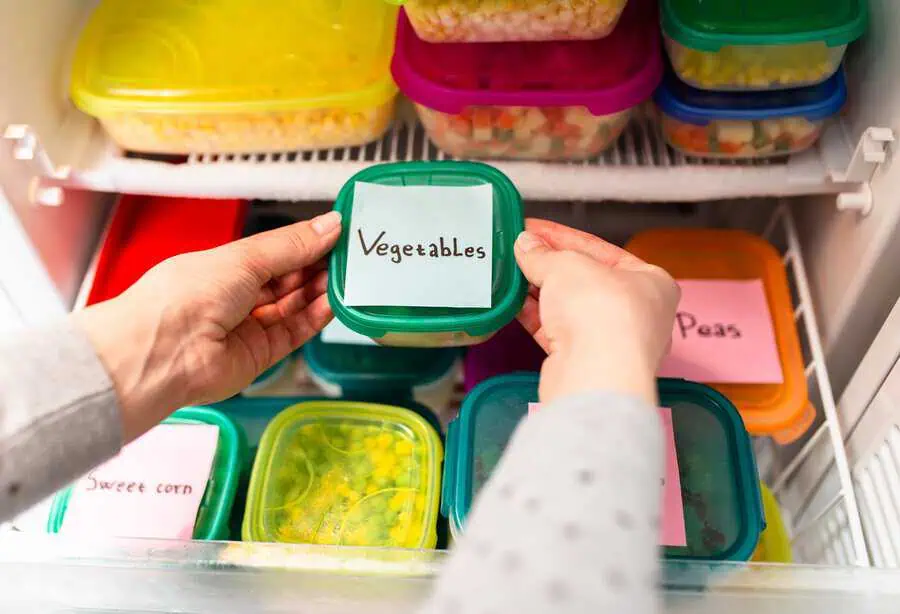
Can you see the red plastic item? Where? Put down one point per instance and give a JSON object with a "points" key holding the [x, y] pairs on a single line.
{"points": [[146, 230]]}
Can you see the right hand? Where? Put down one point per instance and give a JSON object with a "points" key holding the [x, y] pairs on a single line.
{"points": [[603, 316]]}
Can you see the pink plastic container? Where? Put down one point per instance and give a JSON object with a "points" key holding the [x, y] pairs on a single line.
{"points": [[543, 101]]}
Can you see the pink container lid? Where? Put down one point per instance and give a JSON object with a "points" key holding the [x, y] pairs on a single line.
{"points": [[606, 75]]}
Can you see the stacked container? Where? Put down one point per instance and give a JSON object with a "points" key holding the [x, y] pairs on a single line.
{"points": [[720, 489], [222, 76], [551, 100], [751, 48]]}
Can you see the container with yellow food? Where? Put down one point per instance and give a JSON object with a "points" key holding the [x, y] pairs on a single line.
{"points": [[232, 76]]}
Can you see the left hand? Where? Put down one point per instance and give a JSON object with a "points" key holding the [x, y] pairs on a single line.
{"points": [[200, 327]]}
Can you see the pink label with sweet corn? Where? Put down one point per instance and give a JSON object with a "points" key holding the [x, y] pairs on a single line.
{"points": [[671, 529], [723, 334]]}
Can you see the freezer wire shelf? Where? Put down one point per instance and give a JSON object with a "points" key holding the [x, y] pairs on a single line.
{"points": [[639, 167]]}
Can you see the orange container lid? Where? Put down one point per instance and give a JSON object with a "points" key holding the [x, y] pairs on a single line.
{"points": [[780, 410]]}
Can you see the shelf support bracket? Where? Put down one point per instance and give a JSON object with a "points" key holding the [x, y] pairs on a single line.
{"points": [[870, 153]]}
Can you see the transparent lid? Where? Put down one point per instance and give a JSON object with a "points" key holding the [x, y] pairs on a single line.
{"points": [[709, 25], [346, 473], [719, 483], [233, 56], [606, 75], [508, 285], [373, 366]]}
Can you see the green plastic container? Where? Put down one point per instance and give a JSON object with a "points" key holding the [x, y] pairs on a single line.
{"points": [[215, 508], [377, 372], [346, 473], [760, 44], [720, 487], [436, 326]]}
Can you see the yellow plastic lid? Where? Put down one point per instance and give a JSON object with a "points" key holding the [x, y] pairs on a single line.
{"points": [[216, 56], [346, 473]]}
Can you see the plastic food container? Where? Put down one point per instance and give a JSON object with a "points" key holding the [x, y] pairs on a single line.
{"points": [[480, 21], [268, 377], [747, 124], [510, 350], [547, 101], [774, 543], [376, 372], [759, 44], [215, 508], [436, 326], [780, 410], [221, 76], [346, 473], [719, 485]]}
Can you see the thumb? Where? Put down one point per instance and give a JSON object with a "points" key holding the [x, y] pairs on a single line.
{"points": [[291, 248], [534, 257]]}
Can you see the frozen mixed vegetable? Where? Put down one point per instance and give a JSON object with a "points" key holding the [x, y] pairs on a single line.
{"points": [[742, 138], [350, 484], [513, 20], [546, 133], [755, 67]]}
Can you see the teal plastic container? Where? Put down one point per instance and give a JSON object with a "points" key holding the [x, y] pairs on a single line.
{"points": [[436, 326], [215, 509], [719, 483], [423, 374]]}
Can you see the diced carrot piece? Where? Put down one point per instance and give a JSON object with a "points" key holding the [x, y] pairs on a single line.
{"points": [[506, 120], [730, 148], [460, 125], [481, 118]]}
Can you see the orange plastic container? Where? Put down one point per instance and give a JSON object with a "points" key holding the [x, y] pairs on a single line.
{"points": [[778, 410]]}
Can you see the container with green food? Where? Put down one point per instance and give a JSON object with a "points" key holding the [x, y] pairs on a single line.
{"points": [[719, 484], [346, 473], [436, 326], [218, 499]]}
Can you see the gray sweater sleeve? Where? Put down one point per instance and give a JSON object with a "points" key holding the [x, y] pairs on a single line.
{"points": [[569, 521], [59, 416]]}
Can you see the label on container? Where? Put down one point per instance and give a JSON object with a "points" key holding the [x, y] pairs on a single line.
{"points": [[723, 334], [671, 528], [153, 488], [420, 246], [337, 332]]}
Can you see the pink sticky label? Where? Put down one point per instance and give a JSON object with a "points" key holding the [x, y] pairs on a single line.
{"points": [[153, 488], [671, 530], [723, 334]]}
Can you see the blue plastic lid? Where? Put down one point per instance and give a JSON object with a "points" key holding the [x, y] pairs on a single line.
{"points": [[694, 106], [719, 482]]}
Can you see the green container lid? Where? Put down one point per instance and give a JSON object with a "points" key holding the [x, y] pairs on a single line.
{"points": [[719, 482], [709, 25], [377, 369], [509, 285], [215, 508], [346, 473]]}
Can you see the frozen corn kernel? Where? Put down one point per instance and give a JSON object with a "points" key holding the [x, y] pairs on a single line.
{"points": [[742, 139], [755, 67], [176, 133], [513, 20], [537, 133]]}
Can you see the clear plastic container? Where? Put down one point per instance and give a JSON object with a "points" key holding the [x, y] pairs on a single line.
{"points": [[777, 410], [544, 101], [436, 326], [742, 125], [375, 372], [759, 44], [481, 21], [230, 76], [346, 473], [719, 483], [221, 490]]}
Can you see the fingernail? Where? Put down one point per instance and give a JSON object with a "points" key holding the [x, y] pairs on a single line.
{"points": [[527, 241], [326, 222]]}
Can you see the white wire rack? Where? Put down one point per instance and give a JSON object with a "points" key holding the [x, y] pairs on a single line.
{"points": [[812, 480], [639, 167]]}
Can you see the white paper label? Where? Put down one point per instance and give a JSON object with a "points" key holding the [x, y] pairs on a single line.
{"points": [[336, 332], [420, 246]]}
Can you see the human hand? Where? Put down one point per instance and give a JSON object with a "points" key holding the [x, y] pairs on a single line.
{"points": [[200, 327], [603, 316]]}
